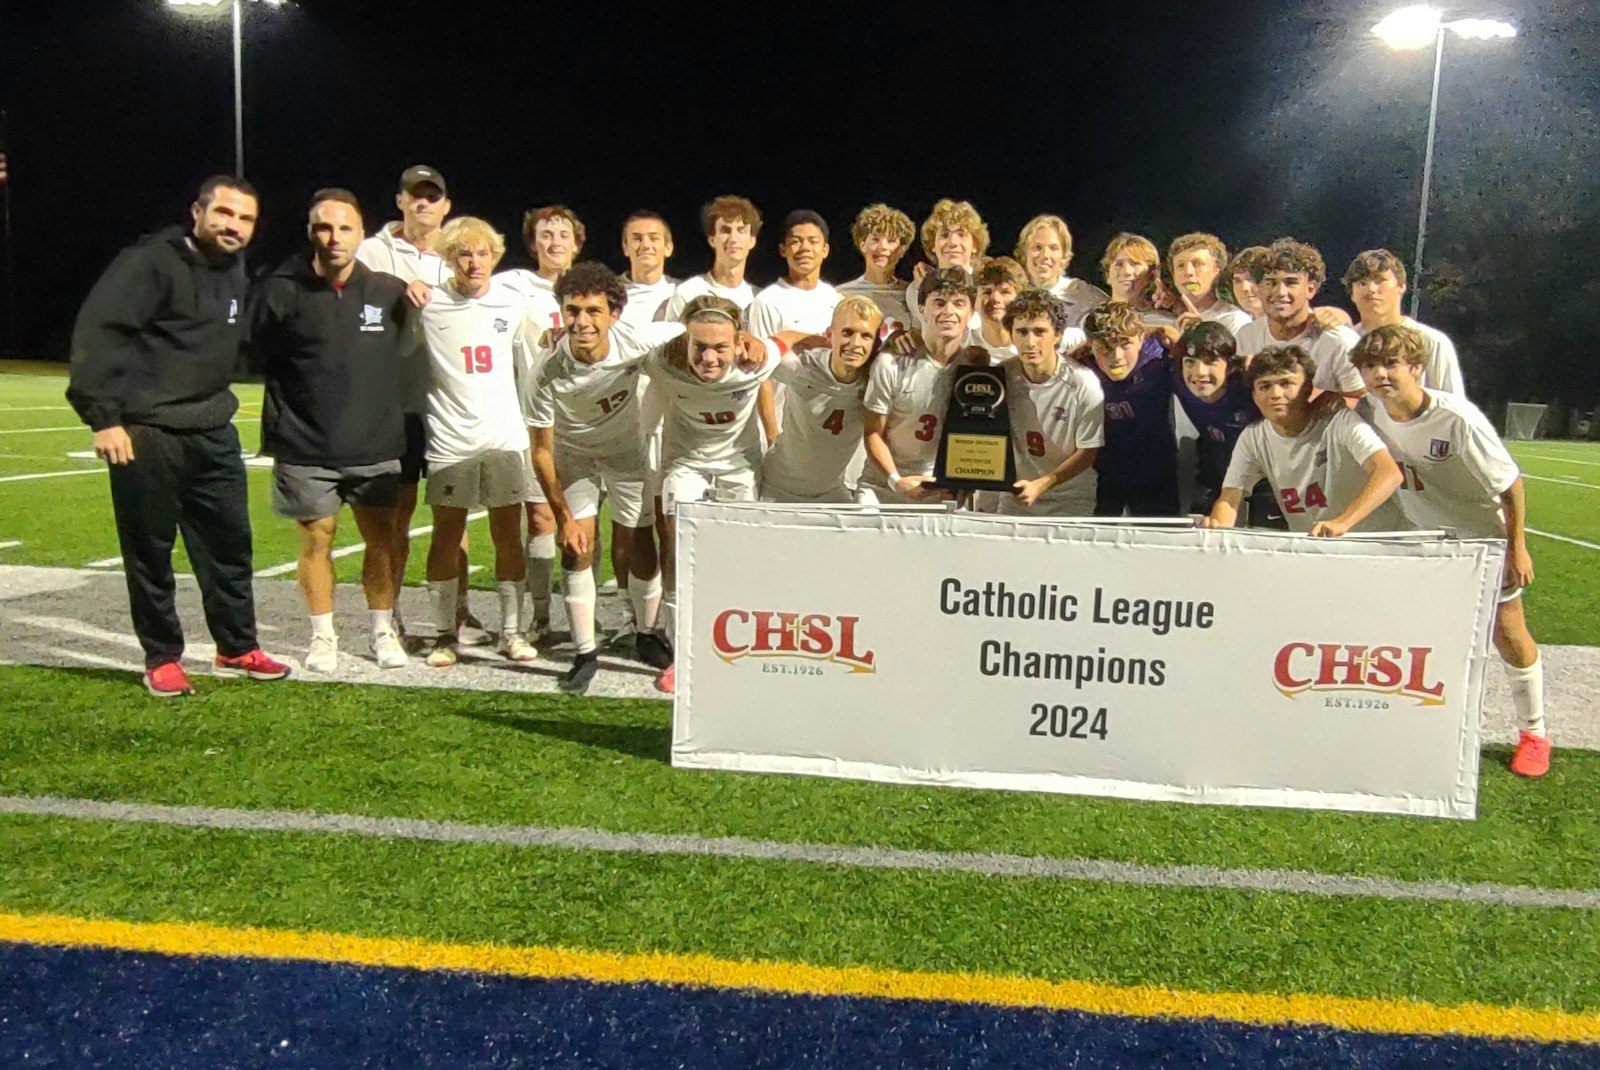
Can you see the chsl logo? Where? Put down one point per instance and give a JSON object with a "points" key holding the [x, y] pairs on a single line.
{"points": [[762, 633], [1383, 670]]}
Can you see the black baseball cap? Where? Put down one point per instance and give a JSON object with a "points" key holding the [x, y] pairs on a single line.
{"points": [[417, 174]]}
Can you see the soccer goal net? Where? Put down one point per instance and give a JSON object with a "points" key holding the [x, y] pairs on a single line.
{"points": [[1525, 421]]}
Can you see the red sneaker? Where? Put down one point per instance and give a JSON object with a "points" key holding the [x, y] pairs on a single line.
{"points": [[1532, 757], [255, 665], [667, 682], [167, 681]]}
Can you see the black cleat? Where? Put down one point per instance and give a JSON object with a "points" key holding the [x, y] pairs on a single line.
{"points": [[652, 650], [581, 675]]}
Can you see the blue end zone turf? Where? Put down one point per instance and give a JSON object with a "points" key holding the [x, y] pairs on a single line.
{"points": [[114, 1009]]}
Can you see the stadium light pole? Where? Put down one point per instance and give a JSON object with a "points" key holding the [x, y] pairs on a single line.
{"points": [[1410, 29], [238, 67]]}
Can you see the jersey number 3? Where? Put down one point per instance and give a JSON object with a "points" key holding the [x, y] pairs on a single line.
{"points": [[477, 358], [928, 427]]}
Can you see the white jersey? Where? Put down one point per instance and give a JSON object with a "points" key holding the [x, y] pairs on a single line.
{"points": [[890, 297], [687, 290], [1455, 466], [784, 306], [821, 441], [389, 252], [1052, 420], [647, 301], [1330, 349], [1315, 474], [704, 423], [1081, 298], [539, 293], [1443, 371], [594, 408], [912, 392], [1230, 316], [998, 353], [473, 405]]}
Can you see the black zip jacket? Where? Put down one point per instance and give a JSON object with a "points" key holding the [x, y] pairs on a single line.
{"points": [[158, 338], [332, 360]]}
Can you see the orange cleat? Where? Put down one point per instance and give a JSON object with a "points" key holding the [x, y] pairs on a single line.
{"points": [[1532, 757]]}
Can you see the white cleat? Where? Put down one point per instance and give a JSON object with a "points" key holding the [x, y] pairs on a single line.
{"points": [[387, 650], [516, 648], [443, 655], [323, 655]]}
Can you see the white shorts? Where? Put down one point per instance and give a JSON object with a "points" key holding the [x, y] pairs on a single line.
{"points": [[1048, 505], [692, 485], [838, 494], [623, 479]]}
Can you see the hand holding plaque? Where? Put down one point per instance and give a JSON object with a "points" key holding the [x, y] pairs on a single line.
{"points": [[975, 444]]}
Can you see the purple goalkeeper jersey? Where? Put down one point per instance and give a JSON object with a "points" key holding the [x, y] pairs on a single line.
{"points": [[1140, 448], [1219, 423]]}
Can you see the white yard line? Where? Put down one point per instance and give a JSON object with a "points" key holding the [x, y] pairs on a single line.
{"points": [[1560, 460], [35, 408], [53, 475], [345, 551], [106, 562], [1564, 538], [9, 543], [1570, 482]]}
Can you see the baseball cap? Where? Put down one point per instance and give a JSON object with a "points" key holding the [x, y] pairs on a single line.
{"points": [[417, 174]]}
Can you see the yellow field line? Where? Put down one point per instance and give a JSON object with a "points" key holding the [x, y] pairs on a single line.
{"points": [[1364, 1015]]}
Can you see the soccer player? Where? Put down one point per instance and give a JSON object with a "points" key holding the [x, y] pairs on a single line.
{"points": [[907, 394], [1197, 262], [800, 301], [1057, 413], [1238, 283], [731, 226], [1288, 276], [882, 235], [583, 414], [331, 340], [554, 236], [1329, 470], [153, 349], [1132, 268], [1216, 402], [477, 442], [816, 457], [1458, 474], [1045, 249], [955, 235], [1376, 280], [1138, 464], [647, 243], [999, 281]]}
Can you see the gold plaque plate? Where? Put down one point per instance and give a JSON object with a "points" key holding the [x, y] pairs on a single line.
{"points": [[976, 457]]}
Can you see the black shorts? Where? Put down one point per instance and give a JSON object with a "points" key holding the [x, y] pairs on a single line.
{"points": [[414, 462], [1159, 498]]}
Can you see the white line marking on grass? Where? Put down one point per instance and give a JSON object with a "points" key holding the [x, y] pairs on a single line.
{"points": [[96, 660], [53, 475], [1278, 881], [105, 562], [1564, 538], [1570, 481], [345, 551], [40, 430], [9, 543], [1560, 460], [35, 408]]}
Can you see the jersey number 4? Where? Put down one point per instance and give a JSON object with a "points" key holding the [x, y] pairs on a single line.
{"points": [[477, 358], [1293, 503], [834, 422]]}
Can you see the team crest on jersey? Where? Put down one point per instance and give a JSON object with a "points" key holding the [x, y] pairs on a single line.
{"points": [[1438, 449], [1377, 670], [371, 318], [1217, 434], [740, 395], [769, 637], [1060, 413], [501, 326]]}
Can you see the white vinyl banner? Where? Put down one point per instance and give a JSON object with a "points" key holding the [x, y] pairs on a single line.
{"points": [[1242, 667]]}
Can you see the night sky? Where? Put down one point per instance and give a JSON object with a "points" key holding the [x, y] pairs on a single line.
{"points": [[1249, 118]]}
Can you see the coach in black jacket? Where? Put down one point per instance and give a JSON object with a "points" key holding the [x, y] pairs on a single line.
{"points": [[156, 343], [336, 343]]}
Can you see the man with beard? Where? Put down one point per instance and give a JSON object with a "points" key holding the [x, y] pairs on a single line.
{"points": [[153, 350]]}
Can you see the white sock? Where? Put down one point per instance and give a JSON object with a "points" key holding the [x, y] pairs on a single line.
{"points": [[580, 607], [382, 620], [442, 596], [668, 619], [1527, 694], [322, 624], [541, 551], [644, 597], [510, 592]]}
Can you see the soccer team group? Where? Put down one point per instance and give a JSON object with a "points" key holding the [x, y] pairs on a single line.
{"points": [[406, 357]]}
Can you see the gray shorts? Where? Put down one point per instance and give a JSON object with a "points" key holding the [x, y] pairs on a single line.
{"points": [[309, 492], [488, 481]]}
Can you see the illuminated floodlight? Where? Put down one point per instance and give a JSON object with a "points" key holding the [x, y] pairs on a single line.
{"points": [[1481, 29], [1410, 28]]}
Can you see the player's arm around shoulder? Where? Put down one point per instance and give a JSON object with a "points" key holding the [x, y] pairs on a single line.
{"points": [[1357, 437]]}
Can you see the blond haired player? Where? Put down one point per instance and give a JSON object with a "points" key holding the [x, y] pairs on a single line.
{"points": [[647, 243], [816, 457], [731, 226], [1131, 265], [907, 395], [1197, 263], [707, 384], [1329, 470], [882, 235], [477, 443], [1057, 413], [1458, 474], [1288, 276], [955, 236], [1045, 249], [1376, 280]]}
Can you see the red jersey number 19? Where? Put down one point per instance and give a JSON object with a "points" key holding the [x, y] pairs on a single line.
{"points": [[477, 358]]}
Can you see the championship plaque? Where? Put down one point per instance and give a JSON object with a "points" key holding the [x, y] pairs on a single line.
{"points": [[975, 446]]}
